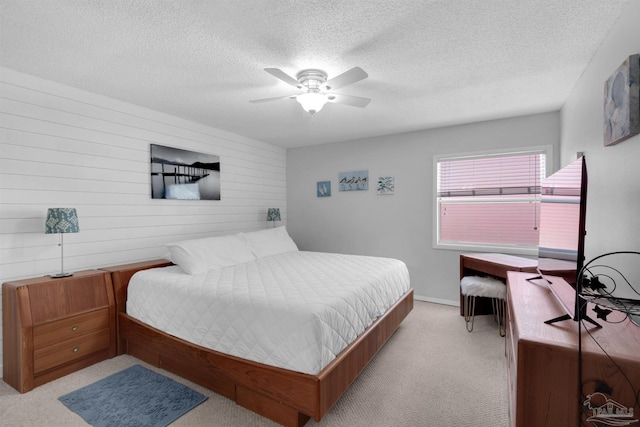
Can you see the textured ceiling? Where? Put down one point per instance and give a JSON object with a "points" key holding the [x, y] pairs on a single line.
{"points": [[430, 63]]}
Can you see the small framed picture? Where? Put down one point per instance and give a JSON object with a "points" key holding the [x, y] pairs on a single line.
{"points": [[323, 188], [385, 185], [353, 181]]}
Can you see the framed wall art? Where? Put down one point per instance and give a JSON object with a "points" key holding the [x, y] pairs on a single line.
{"points": [[353, 181], [622, 102], [323, 188], [385, 185], [185, 175]]}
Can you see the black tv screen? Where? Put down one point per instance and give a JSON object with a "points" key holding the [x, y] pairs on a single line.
{"points": [[563, 207], [562, 222]]}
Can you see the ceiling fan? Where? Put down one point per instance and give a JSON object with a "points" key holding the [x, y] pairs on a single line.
{"points": [[316, 89]]}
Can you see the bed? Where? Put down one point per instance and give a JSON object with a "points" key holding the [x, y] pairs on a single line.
{"points": [[220, 281]]}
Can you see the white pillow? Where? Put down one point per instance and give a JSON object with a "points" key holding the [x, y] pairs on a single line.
{"points": [[201, 255], [272, 241]]}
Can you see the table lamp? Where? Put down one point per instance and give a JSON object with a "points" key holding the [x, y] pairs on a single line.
{"points": [[61, 220], [273, 215]]}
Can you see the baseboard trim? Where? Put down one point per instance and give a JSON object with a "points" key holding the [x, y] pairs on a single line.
{"points": [[436, 300]]}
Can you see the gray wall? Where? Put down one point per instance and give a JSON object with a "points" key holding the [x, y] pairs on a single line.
{"points": [[401, 225], [398, 225], [613, 207]]}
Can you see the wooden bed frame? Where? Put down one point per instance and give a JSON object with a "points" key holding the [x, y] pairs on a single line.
{"points": [[286, 397]]}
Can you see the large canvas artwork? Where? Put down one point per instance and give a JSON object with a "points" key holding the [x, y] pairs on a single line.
{"points": [[183, 174], [622, 102]]}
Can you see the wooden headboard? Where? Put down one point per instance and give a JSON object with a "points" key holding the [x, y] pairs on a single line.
{"points": [[120, 276]]}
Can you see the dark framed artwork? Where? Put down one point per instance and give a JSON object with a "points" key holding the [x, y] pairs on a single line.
{"points": [[183, 174], [622, 102]]}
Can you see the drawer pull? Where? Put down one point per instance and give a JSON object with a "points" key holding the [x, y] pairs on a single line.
{"points": [[75, 348], [74, 327]]}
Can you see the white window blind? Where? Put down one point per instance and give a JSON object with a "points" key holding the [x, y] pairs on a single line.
{"points": [[489, 200]]}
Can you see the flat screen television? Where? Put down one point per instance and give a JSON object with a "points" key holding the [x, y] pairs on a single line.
{"points": [[563, 207]]}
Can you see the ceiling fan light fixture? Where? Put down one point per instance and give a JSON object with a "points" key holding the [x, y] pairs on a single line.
{"points": [[312, 102], [316, 88]]}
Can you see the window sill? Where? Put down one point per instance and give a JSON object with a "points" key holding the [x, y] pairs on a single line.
{"points": [[532, 252]]}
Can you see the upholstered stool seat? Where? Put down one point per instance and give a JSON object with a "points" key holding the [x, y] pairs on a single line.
{"points": [[476, 286]]}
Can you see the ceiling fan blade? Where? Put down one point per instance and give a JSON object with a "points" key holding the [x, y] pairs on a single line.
{"points": [[354, 101], [279, 74], [348, 77], [256, 101]]}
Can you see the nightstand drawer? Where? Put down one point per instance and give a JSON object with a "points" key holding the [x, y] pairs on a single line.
{"points": [[69, 350], [44, 319], [50, 333]]}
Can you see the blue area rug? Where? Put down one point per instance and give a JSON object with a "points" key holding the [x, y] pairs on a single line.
{"points": [[136, 396]]}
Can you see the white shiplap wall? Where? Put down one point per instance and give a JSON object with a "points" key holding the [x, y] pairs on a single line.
{"points": [[64, 147]]}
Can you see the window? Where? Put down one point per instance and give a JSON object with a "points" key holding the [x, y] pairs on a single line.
{"points": [[489, 201]]}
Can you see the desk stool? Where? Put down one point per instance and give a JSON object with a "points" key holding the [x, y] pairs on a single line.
{"points": [[476, 286]]}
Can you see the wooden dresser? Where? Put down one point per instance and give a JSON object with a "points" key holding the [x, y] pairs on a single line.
{"points": [[52, 327], [542, 359]]}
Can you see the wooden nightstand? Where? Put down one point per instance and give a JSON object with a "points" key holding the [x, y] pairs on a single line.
{"points": [[52, 327]]}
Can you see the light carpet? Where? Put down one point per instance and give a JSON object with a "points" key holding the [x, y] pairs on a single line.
{"points": [[431, 372]]}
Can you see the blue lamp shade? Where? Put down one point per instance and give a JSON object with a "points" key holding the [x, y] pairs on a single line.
{"points": [[273, 214], [62, 220]]}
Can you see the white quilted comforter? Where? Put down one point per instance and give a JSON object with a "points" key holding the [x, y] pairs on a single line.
{"points": [[295, 310]]}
